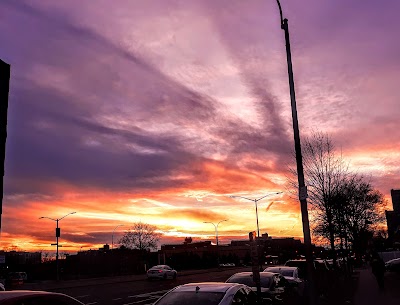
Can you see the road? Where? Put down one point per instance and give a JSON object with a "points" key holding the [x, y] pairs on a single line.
{"points": [[140, 292]]}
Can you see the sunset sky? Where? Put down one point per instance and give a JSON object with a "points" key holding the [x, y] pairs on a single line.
{"points": [[158, 111]]}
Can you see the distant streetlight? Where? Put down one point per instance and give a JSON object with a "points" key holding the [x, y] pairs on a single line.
{"points": [[216, 235], [112, 236], [58, 233], [255, 202]]}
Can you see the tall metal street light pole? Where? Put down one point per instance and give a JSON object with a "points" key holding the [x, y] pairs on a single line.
{"points": [[299, 160], [255, 202], [58, 233], [112, 236], [216, 236]]}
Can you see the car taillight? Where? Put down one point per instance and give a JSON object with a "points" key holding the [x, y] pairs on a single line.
{"points": [[159, 270]]}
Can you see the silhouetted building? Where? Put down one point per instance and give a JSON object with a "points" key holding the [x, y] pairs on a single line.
{"points": [[4, 87], [393, 219], [204, 254]]}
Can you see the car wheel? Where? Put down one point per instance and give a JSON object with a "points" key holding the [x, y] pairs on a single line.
{"points": [[174, 277]]}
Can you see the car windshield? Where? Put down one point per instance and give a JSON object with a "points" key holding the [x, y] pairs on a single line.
{"points": [[265, 282], [192, 298]]}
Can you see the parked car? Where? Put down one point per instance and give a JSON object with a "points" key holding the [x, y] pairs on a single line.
{"points": [[227, 265], [291, 274], [21, 297], [162, 272], [273, 285], [15, 279], [393, 265], [320, 266], [22, 274], [210, 293]]}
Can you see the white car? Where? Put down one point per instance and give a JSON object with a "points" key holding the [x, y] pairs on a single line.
{"points": [[210, 293], [162, 272]]}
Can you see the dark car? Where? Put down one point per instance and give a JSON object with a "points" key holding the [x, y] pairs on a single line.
{"points": [[28, 297], [273, 285]]}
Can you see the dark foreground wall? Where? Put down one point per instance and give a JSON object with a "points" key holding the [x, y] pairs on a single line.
{"points": [[4, 88]]}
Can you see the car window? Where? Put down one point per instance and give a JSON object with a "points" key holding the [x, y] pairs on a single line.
{"points": [[191, 297], [281, 281], [251, 296], [240, 298]]}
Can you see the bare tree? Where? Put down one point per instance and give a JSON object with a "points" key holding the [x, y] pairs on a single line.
{"points": [[324, 173], [361, 211], [345, 208], [141, 236]]}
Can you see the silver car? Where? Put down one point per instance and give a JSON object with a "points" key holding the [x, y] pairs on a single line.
{"points": [[161, 272], [210, 293]]}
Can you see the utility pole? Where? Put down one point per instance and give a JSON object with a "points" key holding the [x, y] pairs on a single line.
{"points": [[299, 163]]}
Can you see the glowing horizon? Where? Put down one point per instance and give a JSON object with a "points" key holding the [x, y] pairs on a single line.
{"points": [[158, 111]]}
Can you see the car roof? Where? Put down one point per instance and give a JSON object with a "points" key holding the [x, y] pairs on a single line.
{"points": [[281, 268], [297, 260], [393, 260], [249, 273], [209, 287], [160, 266], [5, 295]]}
